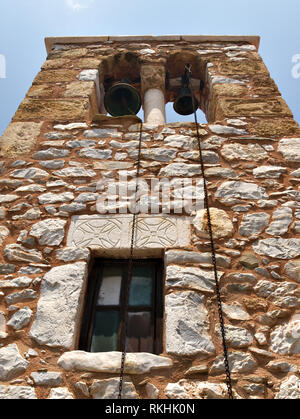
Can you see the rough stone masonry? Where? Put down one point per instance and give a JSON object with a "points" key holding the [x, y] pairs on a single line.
{"points": [[60, 153]]}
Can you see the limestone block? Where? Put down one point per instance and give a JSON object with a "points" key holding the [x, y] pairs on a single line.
{"points": [[252, 107], [289, 388], [246, 152], [278, 248], [254, 224], [114, 232], [235, 311], [281, 220], [221, 224], [235, 191], [109, 362], [18, 253], [191, 278], [19, 138], [195, 389], [60, 393], [47, 378], [183, 257], [61, 110], [55, 76], [49, 232], [236, 337], [17, 393], [73, 254], [290, 149], [283, 294], [187, 324], [33, 173], [11, 362], [285, 339], [292, 269], [54, 198], [109, 389], [270, 172], [20, 319], [239, 362], [59, 307]]}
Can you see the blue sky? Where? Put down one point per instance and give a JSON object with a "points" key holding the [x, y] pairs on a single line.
{"points": [[25, 23]]}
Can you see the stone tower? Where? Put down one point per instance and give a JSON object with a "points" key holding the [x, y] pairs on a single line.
{"points": [[66, 171]]}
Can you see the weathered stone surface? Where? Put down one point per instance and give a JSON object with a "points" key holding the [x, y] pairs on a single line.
{"points": [[20, 319], [94, 153], [47, 378], [73, 254], [269, 172], [289, 388], [51, 153], [21, 296], [19, 138], [187, 325], [223, 129], [220, 172], [281, 220], [31, 188], [109, 389], [75, 172], [183, 257], [79, 89], [5, 199], [11, 362], [54, 198], [221, 223], [236, 337], [49, 232], [6, 269], [246, 152], [103, 133], [290, 149], [109, 362], [70, 127], [17, 393], [193, 389], [278, 248], [190, 278], [151, 391], [31, 173], [232, 191], [180, 169], [285, 339], [60, 393], [254, 224], [235, 311], [180, 141], [249, 260], [239, 362], [292, 269], [61, 110], [52, 164], [283, 294], [18, 253], [59, 306], [57, 76]]}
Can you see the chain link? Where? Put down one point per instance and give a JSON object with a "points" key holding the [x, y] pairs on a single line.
{"points": [[130, 265], [188, 73]]}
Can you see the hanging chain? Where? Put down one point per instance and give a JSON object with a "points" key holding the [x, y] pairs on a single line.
{"points": [[188, 72], [130, 266]]}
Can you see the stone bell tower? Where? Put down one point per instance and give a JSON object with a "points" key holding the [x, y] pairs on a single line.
{"points": [[67, 168]]}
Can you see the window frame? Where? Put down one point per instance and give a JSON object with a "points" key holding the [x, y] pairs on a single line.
{"points": [[91, 307]]}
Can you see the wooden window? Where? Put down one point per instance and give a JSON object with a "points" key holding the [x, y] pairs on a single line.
{"points": [[104, 310]]}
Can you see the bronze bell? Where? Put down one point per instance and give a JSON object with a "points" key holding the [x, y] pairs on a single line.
{"points": [[122, 99], [185, 103]]}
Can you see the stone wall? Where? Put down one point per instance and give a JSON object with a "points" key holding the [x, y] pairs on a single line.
{"points": [[57, 160]]}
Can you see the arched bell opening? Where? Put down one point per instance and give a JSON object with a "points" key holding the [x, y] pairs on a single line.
{"points": [[121, 83], [186, 87]]}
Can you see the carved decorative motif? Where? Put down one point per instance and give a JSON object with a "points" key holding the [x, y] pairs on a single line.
{"points": [[114, 231]]}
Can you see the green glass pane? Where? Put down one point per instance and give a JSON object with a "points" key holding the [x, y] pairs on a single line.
{"points": [[105, 333], [109, 294], [141, 286]]}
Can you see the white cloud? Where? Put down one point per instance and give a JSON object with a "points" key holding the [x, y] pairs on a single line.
{"points": [[77, 5]]}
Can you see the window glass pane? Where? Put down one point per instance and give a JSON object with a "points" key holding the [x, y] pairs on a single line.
{"points": [[141, 286], [105, 334], [110, 289], [139, 336]]}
